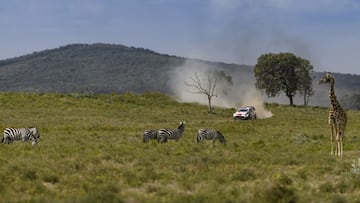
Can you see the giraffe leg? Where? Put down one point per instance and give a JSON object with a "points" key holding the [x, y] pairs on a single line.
{"points": [[341, 146], [337, 151], [341, 136], [331, 139], [337, 145]]}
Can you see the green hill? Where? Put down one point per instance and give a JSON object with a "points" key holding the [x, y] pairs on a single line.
{"points": [[86, 68], [97, 68], [91, 150]]}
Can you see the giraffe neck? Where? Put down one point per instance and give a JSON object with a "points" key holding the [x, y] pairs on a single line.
{"points": [[332, 96]]}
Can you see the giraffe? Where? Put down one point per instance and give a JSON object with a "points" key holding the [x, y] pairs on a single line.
{"points": [[337, 116]]}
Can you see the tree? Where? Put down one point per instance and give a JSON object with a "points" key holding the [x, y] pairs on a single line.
{"points": [[283, 72], [207, 88], [306, 89]]}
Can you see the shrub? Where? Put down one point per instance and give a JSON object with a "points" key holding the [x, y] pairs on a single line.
{"points": [[326, 187], [246, 174], [29, 175], [51, 179], [338, 199], [302, 174], [284, 180], [276, 193]]}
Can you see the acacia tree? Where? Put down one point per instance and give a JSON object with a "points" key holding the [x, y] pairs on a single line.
{"points": [[207, 88], [306, 89], [283, 72]]}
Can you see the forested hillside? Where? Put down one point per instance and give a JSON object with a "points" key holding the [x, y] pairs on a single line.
{"points": [[107, 68], [97, 68], [87, 68]]}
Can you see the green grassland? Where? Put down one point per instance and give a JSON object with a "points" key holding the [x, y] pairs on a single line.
{"points": [[91, 150]]}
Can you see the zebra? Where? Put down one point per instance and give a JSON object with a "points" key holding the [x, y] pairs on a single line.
{"points": [[209, 134], [150, 134], [165, 134], [10, 134]]}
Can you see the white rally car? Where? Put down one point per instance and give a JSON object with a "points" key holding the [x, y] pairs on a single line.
{"points": [[247, 112]]}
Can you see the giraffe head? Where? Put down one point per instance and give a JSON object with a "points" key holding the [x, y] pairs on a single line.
{"points": [[328, 78]]}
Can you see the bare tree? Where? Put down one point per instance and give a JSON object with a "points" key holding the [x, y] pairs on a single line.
{"points": [[206, 88]]}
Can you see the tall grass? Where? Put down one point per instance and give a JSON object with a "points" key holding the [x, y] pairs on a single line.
{"points": [[91, 150]]}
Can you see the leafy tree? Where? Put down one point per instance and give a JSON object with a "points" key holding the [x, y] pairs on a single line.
{"points": [[305, 85], [283, 72]]}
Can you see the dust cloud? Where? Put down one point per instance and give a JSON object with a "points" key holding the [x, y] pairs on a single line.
{"points": [[241, 93]]}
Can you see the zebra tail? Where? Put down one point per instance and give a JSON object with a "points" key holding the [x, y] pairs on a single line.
{"points": [[2, 140]]}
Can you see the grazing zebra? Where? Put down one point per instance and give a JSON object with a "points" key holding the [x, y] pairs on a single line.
{"points": [[209, 134], [165, 134], [150, 134], [24, 134]]}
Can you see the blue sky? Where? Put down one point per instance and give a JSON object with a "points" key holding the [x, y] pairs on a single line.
{"points": [[326, 32]]}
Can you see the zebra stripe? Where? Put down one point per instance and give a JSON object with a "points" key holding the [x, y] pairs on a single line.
{"points": [[209, 134], [24, 134], [165, 134], [150, 134]]}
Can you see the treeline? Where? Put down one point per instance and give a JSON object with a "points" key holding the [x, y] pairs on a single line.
{"points": [[351, 101]]}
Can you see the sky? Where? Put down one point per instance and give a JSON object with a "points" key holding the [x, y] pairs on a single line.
{"points": [[325, 32]]}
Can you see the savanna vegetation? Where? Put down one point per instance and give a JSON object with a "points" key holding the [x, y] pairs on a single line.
{"points": [[91, 150]]}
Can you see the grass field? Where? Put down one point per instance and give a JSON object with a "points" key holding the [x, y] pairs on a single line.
{"points": [[91, 150]]}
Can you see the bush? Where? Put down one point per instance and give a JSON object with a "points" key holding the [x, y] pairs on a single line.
{"points": [[51, 179], [244, 175], [326, 188], [29, 175], [276, 193]]}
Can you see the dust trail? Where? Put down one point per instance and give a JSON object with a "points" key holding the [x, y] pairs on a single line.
{"points": [[241, 93], [253, 97]]}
